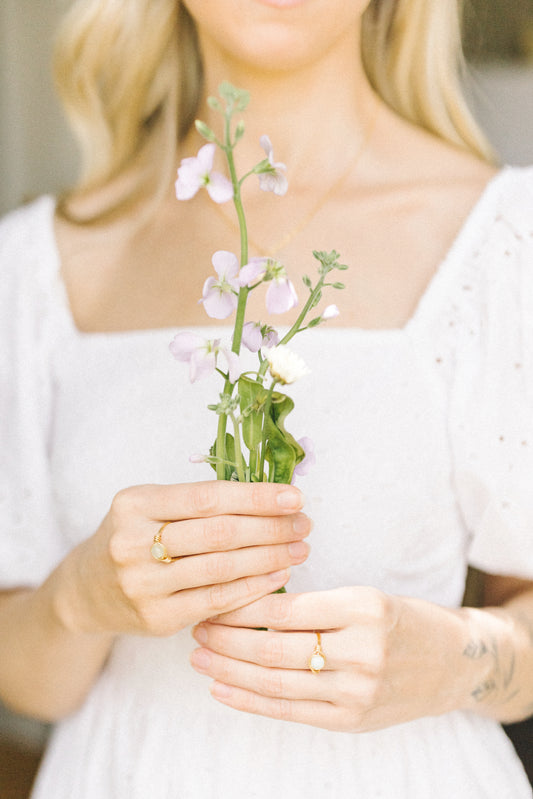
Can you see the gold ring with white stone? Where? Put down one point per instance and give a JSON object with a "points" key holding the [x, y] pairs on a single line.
{"points": [[317, 661], [158, 550]]}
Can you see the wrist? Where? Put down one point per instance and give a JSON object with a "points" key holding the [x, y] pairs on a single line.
{"points": [[488, 660], [72, 607]]}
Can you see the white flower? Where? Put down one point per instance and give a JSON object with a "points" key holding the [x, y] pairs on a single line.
{"points": [[330, 313], [272, 178], [285, 365]]}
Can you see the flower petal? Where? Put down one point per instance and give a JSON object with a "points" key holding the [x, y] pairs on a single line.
{"points": [[226, 265], [201, 365], [251, 336], [309, 460], [184, 344], [219, 188], [330, 312], [253, 271], [275, 182], [281, 296], [266, 144], [234, 366], [219, 304], [205, 158]]}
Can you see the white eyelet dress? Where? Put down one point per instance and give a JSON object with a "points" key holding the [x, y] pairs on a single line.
{"points": [[424, 443]]}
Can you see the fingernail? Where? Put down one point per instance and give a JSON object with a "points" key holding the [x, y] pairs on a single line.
{"points": [[200, 633], [201, 659], [221, 690], [298, 550], [300, 524], [280, 577], [290, 499]]}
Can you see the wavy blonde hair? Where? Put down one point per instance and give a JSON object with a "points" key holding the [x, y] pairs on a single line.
{"points": [[130, 82]]}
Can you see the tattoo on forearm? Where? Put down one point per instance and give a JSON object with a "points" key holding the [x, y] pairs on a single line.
{"points": [[495, 688]]}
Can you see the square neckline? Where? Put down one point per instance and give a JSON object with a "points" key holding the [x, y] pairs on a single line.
{"points": [[469, 232]]}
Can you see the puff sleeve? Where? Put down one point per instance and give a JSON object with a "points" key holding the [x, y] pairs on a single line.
{"points": [[30, 543], [492, 407]]}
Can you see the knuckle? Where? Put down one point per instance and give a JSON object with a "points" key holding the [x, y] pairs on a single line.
{"points": [[124, 503], [218, 597], [271, 652], [280, 610], [377, 604], [257, 497], [202, 499], [218, 533], [129, 586], [218, 568], [117, 549], [271, 684]]}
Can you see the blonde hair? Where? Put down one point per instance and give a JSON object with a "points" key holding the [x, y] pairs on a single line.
{"points": [[130, 83]]}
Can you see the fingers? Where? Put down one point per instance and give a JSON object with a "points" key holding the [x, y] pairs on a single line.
{"points": [[209, 498], [225, 567], [315, 713], [223, 533], [194, 604], [319, 610], [271, 649], [275, 683]]}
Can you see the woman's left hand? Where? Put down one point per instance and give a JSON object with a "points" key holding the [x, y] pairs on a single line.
{"points": [[388, 659]]}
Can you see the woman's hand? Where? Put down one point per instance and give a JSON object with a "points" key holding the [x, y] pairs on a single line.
{"points": [[388, 659], [233, 543]]}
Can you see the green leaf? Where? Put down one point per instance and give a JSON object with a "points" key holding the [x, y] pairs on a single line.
{"points": [[307, 281], [228, 455], [283, 451], [338, 285]]}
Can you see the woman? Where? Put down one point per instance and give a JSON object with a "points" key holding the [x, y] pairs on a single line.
{"points": [[420, 412]]}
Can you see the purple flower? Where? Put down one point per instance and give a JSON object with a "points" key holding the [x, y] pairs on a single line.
{"points": [[281, 295], [196, 172], [255, 335], [309, 459], [272, 177], [201, 355], [220, 296], [253, 272]]}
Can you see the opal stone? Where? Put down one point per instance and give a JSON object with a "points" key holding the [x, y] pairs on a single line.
{"points": [[158, 550], [317, 662]]}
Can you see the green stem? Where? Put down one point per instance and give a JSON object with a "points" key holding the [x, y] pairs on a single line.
{"points": [[266, 414], [238, 451], [243, 293]]}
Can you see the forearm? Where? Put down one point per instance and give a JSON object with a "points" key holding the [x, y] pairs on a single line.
{"points": [[499, 656], [46, 669]]}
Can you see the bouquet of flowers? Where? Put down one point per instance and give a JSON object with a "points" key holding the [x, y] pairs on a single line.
{"points": [[258, 447]]}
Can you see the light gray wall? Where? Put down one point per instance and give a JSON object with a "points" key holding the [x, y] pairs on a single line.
{"points": [[37, 153]]}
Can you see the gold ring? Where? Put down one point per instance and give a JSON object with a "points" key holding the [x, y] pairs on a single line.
{"points": [[317, 661], [158, 550]]}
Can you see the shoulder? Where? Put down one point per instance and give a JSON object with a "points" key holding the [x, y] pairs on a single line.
{"points": [[28, 252], [26, 235]]}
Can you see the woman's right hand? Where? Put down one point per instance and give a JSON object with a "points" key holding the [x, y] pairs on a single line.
{"points": [[234, 543]]}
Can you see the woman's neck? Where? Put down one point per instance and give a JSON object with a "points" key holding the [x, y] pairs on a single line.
{"points": [[316, 116]]}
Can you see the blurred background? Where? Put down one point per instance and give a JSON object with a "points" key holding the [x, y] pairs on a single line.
{"points": [[38, 155]]}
